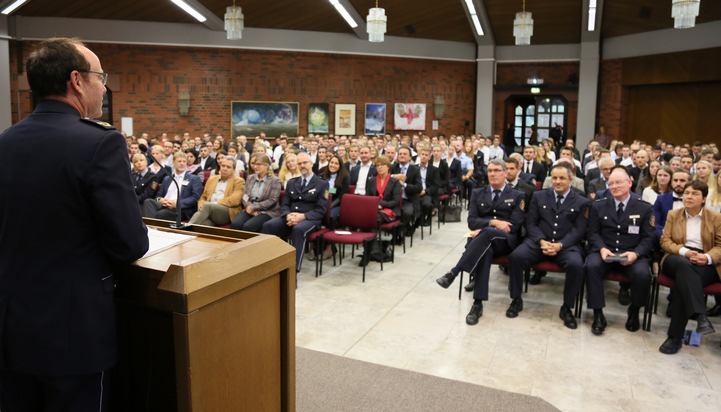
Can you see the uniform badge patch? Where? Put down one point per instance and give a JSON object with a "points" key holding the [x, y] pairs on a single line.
{"points": [[154, 185], [586, 212], [522, 205], [652, 220]]}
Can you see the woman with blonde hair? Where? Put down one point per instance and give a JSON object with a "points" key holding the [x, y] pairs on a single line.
{"points": [[713, 200], [542, 156], [289, 169], [704, 173]]}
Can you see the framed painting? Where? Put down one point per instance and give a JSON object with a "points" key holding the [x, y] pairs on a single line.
{"points": [[375, 121], [273, 118], [345, 119], [409, 116], [318, 118]]}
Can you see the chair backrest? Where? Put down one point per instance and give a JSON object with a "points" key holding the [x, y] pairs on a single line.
{"points": [[359, 212], [326, 218], [351, 189]]}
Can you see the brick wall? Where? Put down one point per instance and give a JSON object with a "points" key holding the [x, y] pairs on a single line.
{"points": [[612, 99], [148, 78]]}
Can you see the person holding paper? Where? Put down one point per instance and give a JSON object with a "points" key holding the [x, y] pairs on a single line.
{"points": [[620, 238]]}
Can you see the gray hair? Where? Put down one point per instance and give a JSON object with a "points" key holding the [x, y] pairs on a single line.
{"points": [[498, 162]]}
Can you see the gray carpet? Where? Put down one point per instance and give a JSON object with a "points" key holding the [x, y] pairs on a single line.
{"points": [[327, 382]]}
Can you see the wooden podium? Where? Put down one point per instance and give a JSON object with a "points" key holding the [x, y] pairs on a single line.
{"points": [[208, 325]]}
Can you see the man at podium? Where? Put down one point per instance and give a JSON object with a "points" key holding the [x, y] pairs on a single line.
{"points": [[65, 226]]}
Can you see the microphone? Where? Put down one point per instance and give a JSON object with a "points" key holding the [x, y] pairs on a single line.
{"points": [[178, 224]]}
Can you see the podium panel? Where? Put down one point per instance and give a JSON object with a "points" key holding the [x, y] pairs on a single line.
{"points": [[208, 325]]}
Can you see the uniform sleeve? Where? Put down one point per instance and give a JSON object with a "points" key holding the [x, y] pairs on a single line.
{"points": [[123, 235]]}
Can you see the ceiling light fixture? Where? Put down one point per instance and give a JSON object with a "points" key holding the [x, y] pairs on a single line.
{"points": [[684, 13], [523, 27], [592, 15], [376, 24], [474, 17], [188, 9], [234, 22], [343, 12], [11, 8]]}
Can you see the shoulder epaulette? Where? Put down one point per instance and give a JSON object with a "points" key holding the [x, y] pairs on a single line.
{"points": [[99, 123]]}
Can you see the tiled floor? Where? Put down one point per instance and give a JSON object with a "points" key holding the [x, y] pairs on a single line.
{"points": [[400, 317]]}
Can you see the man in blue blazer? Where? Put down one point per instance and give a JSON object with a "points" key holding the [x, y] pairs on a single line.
{"points": [[669, 201], [555, 224], [620, 238], [495, 218], [78, 220], [302, 208], [164, 206]]}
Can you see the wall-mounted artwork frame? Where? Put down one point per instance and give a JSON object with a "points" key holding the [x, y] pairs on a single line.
{"points": [[345, 119], [409, 116], [273, 118], [319, 118], [375, 118]]}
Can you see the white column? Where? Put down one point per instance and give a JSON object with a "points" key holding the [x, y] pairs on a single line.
{"points": [[587, 94], [5, 97], [485, 79]]}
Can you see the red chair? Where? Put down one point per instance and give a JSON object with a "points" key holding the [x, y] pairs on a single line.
{"points": [[621, 278], [548, 266], [497, 260], [392, 228], [667, 281], [316, 238], [359, 214], [442, 203]]}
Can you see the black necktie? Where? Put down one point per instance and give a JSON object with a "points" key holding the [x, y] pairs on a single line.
{"points": [[528, 167], [619, 211], [559, 200], [137, 177], [496, 195], [302, 185]]}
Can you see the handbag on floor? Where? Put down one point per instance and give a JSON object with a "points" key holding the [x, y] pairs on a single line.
{"points": [[452, 214]]}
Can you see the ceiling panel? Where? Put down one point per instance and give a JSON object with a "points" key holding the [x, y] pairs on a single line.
{"points": [[555, 21]]}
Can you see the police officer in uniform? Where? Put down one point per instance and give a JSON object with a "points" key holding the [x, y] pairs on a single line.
{"points": [[302, 209], [555, 224], [495, 217], [57, 308], [621, 230]]}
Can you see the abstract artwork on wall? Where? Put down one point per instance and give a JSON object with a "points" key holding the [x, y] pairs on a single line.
{"points": [[318, 118], [375, 118], [273, 118], [345, 119], [409, 116]]}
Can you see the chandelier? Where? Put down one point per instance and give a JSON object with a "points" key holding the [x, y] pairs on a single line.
{"points": [[376, 24], [234, 22], [684, 13], [523, 27]]}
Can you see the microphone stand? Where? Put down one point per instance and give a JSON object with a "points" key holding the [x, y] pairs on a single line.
{"points": [[178, 224]]}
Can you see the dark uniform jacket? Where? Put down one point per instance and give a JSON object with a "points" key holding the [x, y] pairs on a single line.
{"points": [[566, 225], [633, 232], [312, 200], [190, 190], [66, 226], [147, 186], [508, 207], [413, 186]]}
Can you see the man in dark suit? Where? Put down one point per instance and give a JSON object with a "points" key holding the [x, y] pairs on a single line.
{"points": [[205, 161], [531, 166], [620, 238], [495, 217], [513, 179], [302, 208], [669, 201], [164, 206], [555, 224], [599, 184], [409, 175], [430, 182], [57, 309], [640, 168], [360, 173]]}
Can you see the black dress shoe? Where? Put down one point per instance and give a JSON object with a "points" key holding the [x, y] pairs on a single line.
{"points": [[624, 296], [446, 280], [632, 324], [515, 307], [536, 278], [475, 313], [567, 317], [469, 287], [599, 324], [704, 327], [671, 346], [714, 311]]}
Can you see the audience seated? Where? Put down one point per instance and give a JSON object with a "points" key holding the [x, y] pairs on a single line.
{"points": [[220, 202], [260, 201], [164, 206], [145, 181]]}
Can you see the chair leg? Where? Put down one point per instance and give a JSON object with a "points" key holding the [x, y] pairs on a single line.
{"points": [[526, 278], [460, 286]]}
